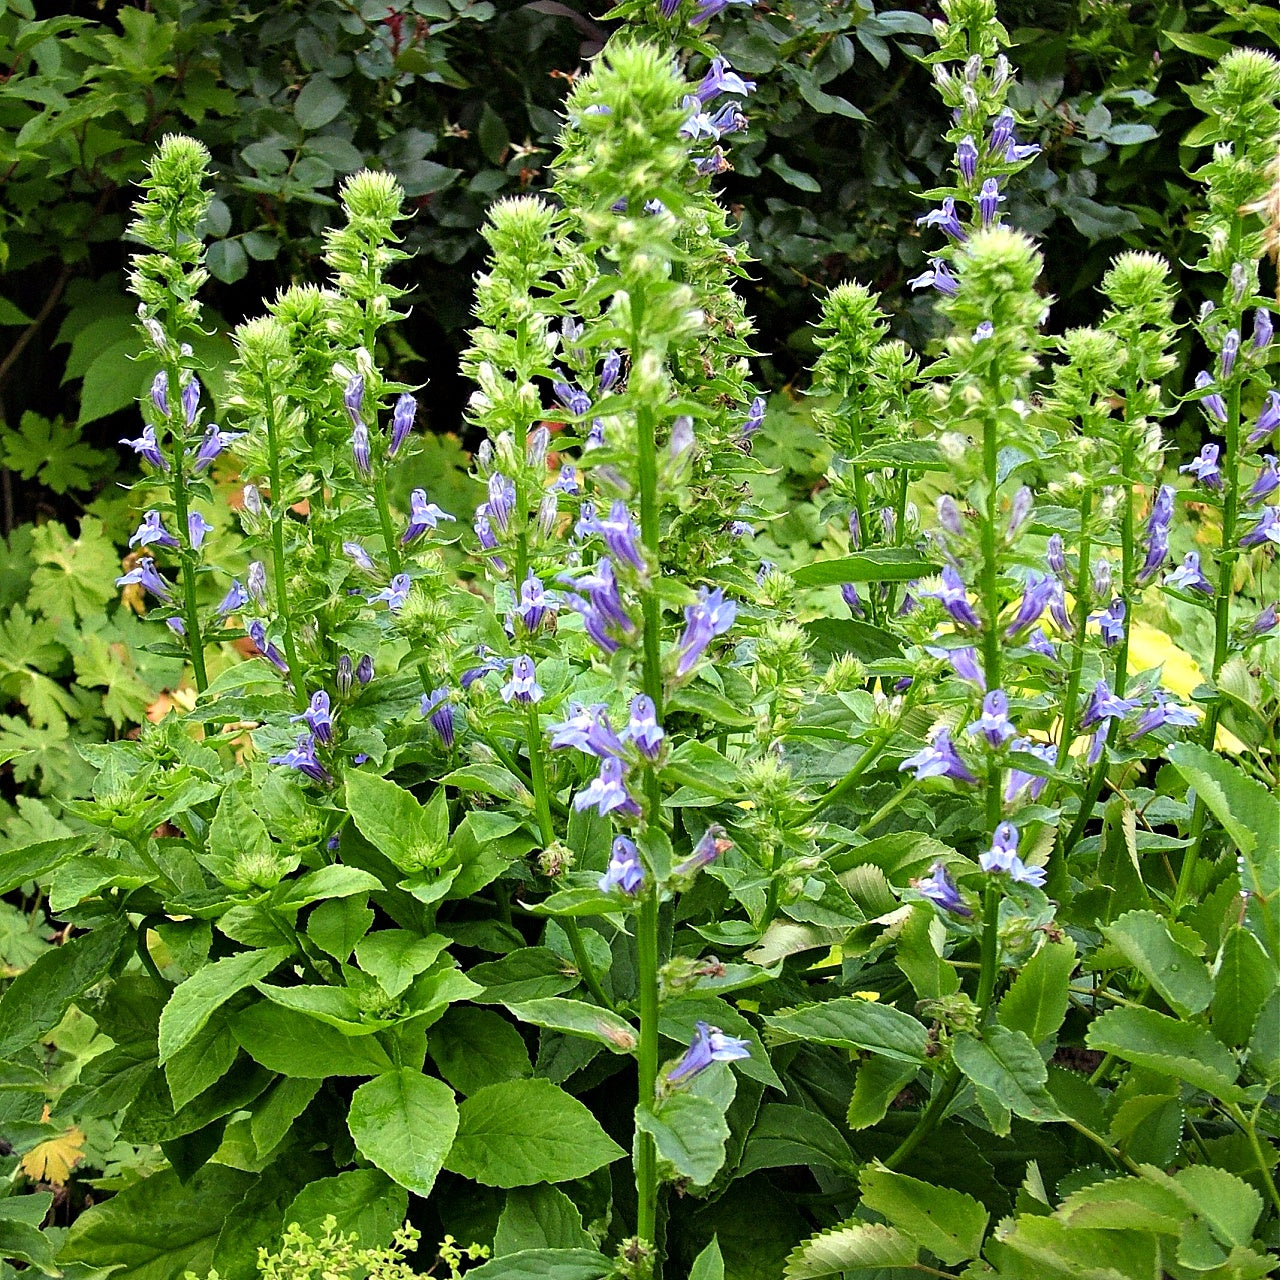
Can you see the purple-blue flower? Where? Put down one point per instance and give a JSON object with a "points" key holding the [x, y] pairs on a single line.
{"points": [[395, 594], [989, 201], [353, 399], [1267, 529], [709, 1045], [1111, 622], [364, 669], [589, 729], [1103, 705], [722, 78], [235, 599], [1002, 857], [939, 888], [1039, 642], [197, 527], [191, 399], [147, 448], [502, 501], [938, 759], [603, 613], [344, 676], [575, 400], [712, 844], [402, 417], [1262, 329], [1019, 778], [1205, 467], [534, 605], [1001, 132], [967, 158], [940, 276], [522, 686], [849, 594], [1163, 711], [423, 515], [643, 728], [1230, 349], [437, 710], [151, 532], [994, 723], [963, 661], [257, 580], [1266, 621], [621, 535], [754, 419], [945, 219], [258, 634], [1188, 577], [607, 792], [954, 598], [709, 616], [1213, 404], [1019, 512], [1158, 532], [984, 331], [160, 393], [1039, 590], [1266, 483], [568, 481], [1268, 419], [707, 9], [359, 555], [486, 537], [1016, 152], [625, 870], [145, 576], [302, 756], [212, 443], [360, 449], [317, 716]]}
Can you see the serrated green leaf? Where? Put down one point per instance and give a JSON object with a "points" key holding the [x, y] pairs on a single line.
{"points": [[880, 564], [1166, 1045], [1246, 975], [527, 1131], [1144, 940], [850, 1023], [577, 1017], [689, 1132], [1005, 1063], [404, 1123], [949, 1223], [300, 1047], [539, 1218], [393, 821], [76, 577], [854, 1247], [1036, 1003], [365, 1203]]}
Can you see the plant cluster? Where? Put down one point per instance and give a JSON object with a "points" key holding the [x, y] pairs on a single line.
{"points": [[566, 876]]}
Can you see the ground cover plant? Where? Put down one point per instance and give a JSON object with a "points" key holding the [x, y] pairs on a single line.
{"points": [[596, 883]]}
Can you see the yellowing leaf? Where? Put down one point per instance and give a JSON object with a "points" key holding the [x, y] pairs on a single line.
{"points": [[53, 1159]]}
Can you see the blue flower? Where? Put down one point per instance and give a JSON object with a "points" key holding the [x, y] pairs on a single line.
{"points": [[258, 634], [989, 201], [707, 9], [1266, 483], [145, 576], [963, 661], [359, 555], [522, 686], [1268, 419], [710, 616], [1262, 329], [147, 448], [1163, 711], [643, 728], [235, 599], [1040, 589], [1205, 467], [502, 501], [945, 219], [575, 400], [722, 78], [423, 515], [607, 792], [197, 527], [1002, 857], [709, 1045], [402, 417], [954, 598], [1230, 349], [939, 888], [625, 870], [1213, 404], [151, 532], [302, 756], [534, 605], [211, 445], [395, 594], [1019, 778], [353, 400], [317, 716], [191, 399], [360, 449], [994, 723], [1188, 577], [1103, 704], [711, 845], [1111, 623], [938, 759], [160, 393], [967, 158], [438, 712], [621, 535], [1267, 529], [940, 276]]}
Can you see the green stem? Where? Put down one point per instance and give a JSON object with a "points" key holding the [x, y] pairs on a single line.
{"points": [[887, 808], [389, 541], [1249, 1125], [186, 556], [1128, 567], [850, 779], [1081, 620], [992, 652], [1221, 638], [279, 574]]}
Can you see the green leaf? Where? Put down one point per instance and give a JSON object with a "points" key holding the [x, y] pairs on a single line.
{"points": [[1202, 46], [1168, 1046], [531, 973], [365, 1203], [304, 1048], [1245, 976], [474, 1048], [1264, 1045], [880, 564], [320, 102], [113, 381], [545, 1264], [404, 1122], [12, 314], [393, 821], [76, 577], [1054, 1251], [276, 1110], [709, 1264], [949, 1223], [202, 1062], [1006, 1064], [38, 997], [396, 956], [25, 1242], [1036, 1003], [528, 1131], [1125, 1204], [31, 861], [689, 1132], [227, 261], [539, 1218], [1229, 1204], [159, 1228], [576, 1017], [337, 924], [878, 1082], [786, 1135], [194, 1000], [51, 451], [1182, 980], [1250, 815], [804, 181], [856, 1246], [850, 1023]]}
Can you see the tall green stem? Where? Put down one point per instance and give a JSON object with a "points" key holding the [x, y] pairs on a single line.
{"points": [[279, 572], [186, 554], [1080, 621], [990, 586]]}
